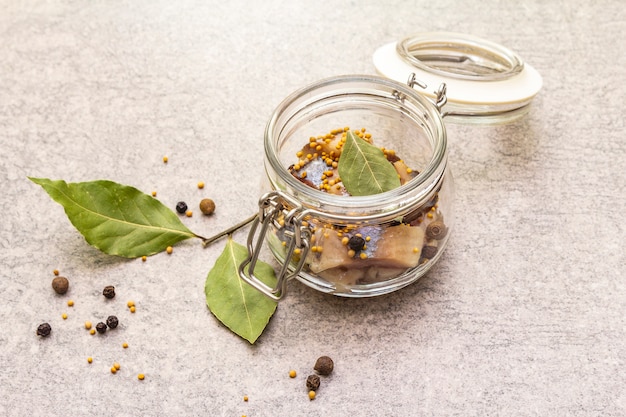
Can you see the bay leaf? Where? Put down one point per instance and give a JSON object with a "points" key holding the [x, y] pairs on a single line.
{"points": [[239, 306], [364, 169], [117, 219]]}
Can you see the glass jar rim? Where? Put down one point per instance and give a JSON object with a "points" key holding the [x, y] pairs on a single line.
{"points": [[389, 203], [460, 56]]}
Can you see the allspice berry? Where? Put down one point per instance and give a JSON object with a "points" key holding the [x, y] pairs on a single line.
{"points": [[312, 382], [436, 230], [109, 291], [207, 206], [324, 365], [60, 285]]}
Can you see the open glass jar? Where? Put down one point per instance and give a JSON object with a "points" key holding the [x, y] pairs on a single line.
{"points": [[360, 246], [353, 246]]}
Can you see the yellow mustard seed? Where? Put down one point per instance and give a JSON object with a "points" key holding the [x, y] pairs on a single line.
{"points": [[117, 366], [132, 309], [113, 370], [141, 377], [297, 251], [89, 359], [125, 345], [87, 325], [319, 249], [64, 315], [311, 395], [245, 398], [169, 250], [154, 193], [368, 238], [351, 253], [303, 174], [429, 215], [130, 303], [345, 240], [189, 213], [55, 272], [292, 373], [314, 249], [165, 159], [200, 185], [363, 255], [144, 258], [70, 303], [299, 154], [92, 332], [416, 249]]}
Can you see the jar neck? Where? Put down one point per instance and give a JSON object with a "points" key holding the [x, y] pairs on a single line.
{"points": [[332, 95]]}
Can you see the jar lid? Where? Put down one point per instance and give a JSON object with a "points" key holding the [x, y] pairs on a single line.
{"points": [[486, 82]]}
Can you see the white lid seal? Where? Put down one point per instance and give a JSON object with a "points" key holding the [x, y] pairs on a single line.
{"points": [[486, 82]]}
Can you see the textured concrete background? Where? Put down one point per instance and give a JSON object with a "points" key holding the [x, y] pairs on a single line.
{"points": [[523, 316]]}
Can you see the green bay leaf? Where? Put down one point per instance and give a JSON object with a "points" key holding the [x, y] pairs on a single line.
{"points": [[117, 219], [240, 307], [364, 169]]}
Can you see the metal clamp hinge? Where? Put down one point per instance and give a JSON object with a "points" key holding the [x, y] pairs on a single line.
{"points": [[271, 207], [440, 94]]}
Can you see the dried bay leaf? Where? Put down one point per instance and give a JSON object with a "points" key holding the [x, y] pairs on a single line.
{"points": [[240, 307], [117, 219], [364, 169]]}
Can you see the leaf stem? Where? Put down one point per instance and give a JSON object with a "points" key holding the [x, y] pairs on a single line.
{"points": [[207, 241]]}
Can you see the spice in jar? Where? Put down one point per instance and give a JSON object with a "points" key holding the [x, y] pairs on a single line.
{"points": [[60, 285], [324, 365], [112, 322], [109, 291], [312, 382], [436, 230], [44, 330]]}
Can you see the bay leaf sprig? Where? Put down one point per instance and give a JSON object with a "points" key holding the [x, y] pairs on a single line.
{"points": [[239, 306], [123, 221], [364, 169], [117, 219]]}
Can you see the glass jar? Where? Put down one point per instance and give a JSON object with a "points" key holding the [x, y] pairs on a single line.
{"points": [[353, 246]]}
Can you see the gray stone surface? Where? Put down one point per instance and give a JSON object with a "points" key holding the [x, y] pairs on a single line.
{"points": [[523, 316]]}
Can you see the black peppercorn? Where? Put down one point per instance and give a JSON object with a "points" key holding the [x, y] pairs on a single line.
{"points": [[429, 252], [101, 327], [44, 330], [60, 285], [356, 243], [112, 322], [324, 365], [109, 291], [312, 382], [181, 207]]}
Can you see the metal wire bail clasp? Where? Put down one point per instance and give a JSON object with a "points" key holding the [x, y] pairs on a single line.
{"points": [[440, 94], [272, 206]]}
